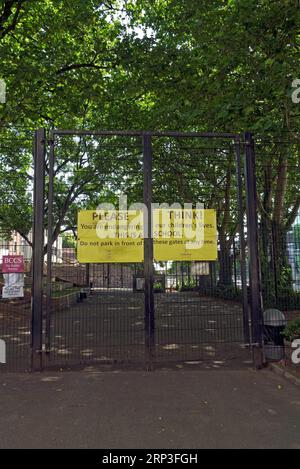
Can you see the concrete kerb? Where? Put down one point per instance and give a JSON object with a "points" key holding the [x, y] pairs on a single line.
{"points": [[274, 367]]}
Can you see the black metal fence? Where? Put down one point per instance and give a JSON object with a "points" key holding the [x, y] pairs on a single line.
{"points": [[15, 314], [15, 212], [155, 312], [278, 172], [97, 316], [202, 312]]}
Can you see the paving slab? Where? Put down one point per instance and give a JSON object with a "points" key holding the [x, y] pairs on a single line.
{"points": [[161, 409]]}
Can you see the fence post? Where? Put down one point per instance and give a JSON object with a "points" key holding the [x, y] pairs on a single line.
{"points": [[242, 241], [254, 265], [49, 245], [38, 251], [148, 249]]}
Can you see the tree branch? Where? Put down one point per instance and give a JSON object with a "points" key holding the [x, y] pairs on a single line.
{"points": [[280, 191], [25, 237], [7, 13], [292, 216], [67, 68]]}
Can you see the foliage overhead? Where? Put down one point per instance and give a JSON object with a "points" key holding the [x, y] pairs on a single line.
{"points": [[213, 65]]}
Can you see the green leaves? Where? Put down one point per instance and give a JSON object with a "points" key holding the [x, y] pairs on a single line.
{"points": [[161, 64]]}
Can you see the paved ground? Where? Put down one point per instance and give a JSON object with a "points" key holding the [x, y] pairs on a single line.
{"points": [[109, 326], [162, 409]]}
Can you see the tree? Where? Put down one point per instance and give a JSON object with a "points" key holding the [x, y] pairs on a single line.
{"points": [[229, 66], [10, 15], [57, 74], [171, 64]]}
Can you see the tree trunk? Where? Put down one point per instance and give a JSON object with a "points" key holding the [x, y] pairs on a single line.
{"points": [[267, 260], [282, 268], [275, 268], [225, 262]]}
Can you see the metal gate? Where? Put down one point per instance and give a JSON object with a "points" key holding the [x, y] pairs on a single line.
{"points": [[204, 313]]}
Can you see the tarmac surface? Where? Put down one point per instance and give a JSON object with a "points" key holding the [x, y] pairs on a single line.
{"points": [[109, 327], [185, 408]]}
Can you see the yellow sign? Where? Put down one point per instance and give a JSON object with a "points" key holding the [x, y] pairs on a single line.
{"points": [[185, 235], [117, 236]]}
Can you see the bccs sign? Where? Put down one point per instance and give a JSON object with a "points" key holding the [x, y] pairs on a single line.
{"points": [[12, 264]]}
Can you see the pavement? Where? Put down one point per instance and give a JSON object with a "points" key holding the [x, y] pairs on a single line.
{"points": [[109, 327], [160, 409]]}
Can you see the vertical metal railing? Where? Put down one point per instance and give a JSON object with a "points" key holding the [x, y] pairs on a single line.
{"points": [[148, 250], [254, 266], [49, 245], [242, 241], [38, 250]]}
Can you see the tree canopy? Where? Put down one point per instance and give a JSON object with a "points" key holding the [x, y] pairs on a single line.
{"points": [[209, 65]]}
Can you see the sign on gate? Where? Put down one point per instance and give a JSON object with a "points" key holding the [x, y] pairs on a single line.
{"points": [[117, 236], [185, 235], [13, 274], [12, 264]]}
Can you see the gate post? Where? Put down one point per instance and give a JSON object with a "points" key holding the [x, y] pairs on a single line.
{"points": [[49, 245], [38, 251], [242, 241], [254, 265], [148, 249]]}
